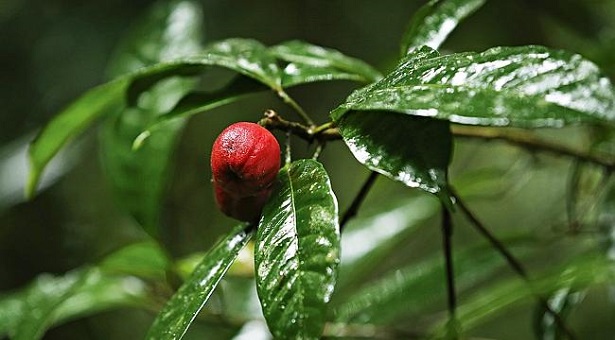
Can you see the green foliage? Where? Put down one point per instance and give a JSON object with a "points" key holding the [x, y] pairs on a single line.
{"points": [[310, 275]]}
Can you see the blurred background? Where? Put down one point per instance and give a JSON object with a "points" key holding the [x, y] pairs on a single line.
{"points": [[54, 50]]}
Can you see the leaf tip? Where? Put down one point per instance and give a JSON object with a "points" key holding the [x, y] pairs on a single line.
{"points": [[138, 142]]}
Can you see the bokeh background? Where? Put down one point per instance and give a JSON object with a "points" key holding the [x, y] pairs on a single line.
{"points": [[51, 51]]}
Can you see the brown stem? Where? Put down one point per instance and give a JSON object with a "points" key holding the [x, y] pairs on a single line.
{"points": [[447, 233], [358, 200]]}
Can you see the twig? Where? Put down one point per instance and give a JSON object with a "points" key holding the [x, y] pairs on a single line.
{"points": [[325, 132], [292, 103], [356, 203], [447, 233], [512, 262], [529, 141]]}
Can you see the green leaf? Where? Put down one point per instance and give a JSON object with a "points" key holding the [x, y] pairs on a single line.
{"points": [[561, 302], [413, 150], [144, 259], [495, 299], [168, 30], [410, 290], [434, 21], [72, 121], [178, 313], [369, 240], [50, 300], [529, 86], [297, 252], [309, 63]]}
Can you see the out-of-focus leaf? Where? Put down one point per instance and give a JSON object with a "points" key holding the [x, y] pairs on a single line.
{"points": [[52, 300], [309, 63], [561, 302], [434, 21], [178, 313], [369, 240], [144, 259], [495, 299], [413, 150], [529, 86], [412, 289], [297, 252], [169, 30], [72, 121]]}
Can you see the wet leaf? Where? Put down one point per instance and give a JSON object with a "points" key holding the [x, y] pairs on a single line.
{"points": [[69, 123], [529, 86], [180, 311], [297, 252], [413, 150], [309, 63], [168, 30], [434, 21]]}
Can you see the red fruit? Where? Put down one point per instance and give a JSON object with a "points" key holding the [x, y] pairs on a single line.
{"points": [[247, 208], [245, 160]]}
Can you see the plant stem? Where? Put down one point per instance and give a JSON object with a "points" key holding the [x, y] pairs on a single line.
{"points": [[358, 200], [292, 103], [447, 233], [530, 141], [512, 262]]}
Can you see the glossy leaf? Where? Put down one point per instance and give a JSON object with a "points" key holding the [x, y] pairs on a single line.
{"points": [[529, 86], [309, 63], [178, 313], [50, 300], [72, 121], [297, 252], [169, 30], [414, 288], [413, 150], [369, 240], [495, 299], [434, 21]]}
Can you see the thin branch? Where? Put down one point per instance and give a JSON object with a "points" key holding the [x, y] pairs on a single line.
{"points": [[358, 200], [513, 263], [292, 103], [530, 141], [447, 233], [272, 120]]}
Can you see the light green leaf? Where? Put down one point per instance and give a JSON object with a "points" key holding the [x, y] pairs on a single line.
{"points": [[72, 121], [145, 260], [180, 311], [413, 150], [434, 21], [297, 252], [49, 300], [529, 86], [369, 240], [495, 299], [412, 289], [309, 63], [168, 30]]}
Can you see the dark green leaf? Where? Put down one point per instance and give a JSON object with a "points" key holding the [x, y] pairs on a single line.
{"points": [[169, 30], [179, 312], [434, 21], [528, 86], [309, 63], [244, 56], [297, 252], [413, 150], [412, 289], [73, 120]]}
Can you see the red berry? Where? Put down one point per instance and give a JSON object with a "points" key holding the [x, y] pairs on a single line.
{"points": [[247, 208], [245, 160]]}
